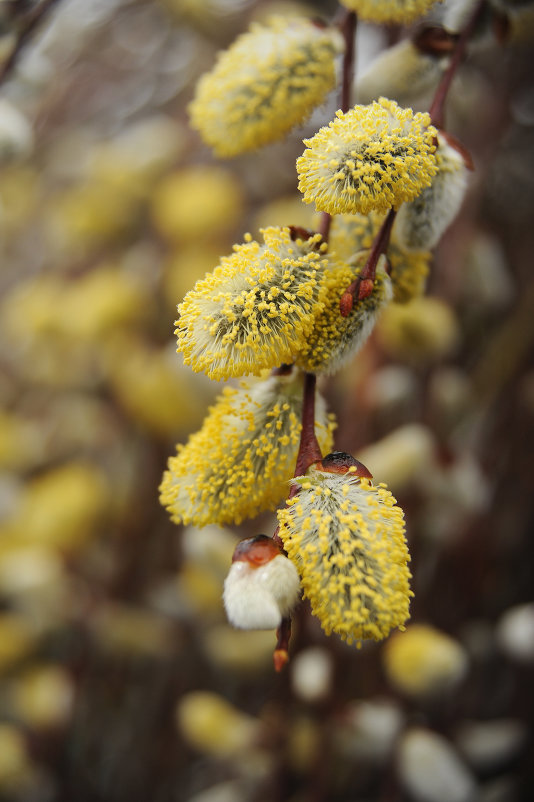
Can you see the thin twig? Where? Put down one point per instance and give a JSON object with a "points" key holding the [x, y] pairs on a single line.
{"points": [[309, 450], [324, 225], [438, 104], [362, 286], [281, 652], [348, 29]]}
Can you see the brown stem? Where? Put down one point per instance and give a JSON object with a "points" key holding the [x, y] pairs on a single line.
{"points": [[309, 450], [324, 225], [348, 29], [362, 286], [30, 21], [308, 453], [438, 104], [281, 651]]}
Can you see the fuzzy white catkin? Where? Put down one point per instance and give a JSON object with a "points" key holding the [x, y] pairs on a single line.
{"points": [[311, 675], [401, 73], [488, 744], [421, 223], [431, 771], [258, 598], [515, 633], [400, 456], [16, 136], [372, 729]]}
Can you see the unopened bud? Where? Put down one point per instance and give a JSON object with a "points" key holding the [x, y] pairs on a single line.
{"points": [[341, 462], [262, 585]]}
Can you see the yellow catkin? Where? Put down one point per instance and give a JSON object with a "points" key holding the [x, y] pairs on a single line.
{"points": [[394, 11], [346, 538], [350, 234], [336, 339], [269, 80], [241, 460], [370, 158], [423, 660], [256, 309]]}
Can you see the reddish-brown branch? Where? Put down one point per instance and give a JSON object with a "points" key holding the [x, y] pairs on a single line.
{"points": [[348, 29], [324, 225], [438, 104], [281, 652], [309, 450], [362, 287]]}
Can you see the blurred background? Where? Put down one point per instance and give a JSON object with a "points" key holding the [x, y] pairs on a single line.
{"points": [[120, 680]]}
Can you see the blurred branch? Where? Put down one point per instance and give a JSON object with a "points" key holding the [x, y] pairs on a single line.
{"points": [[437, 108], [29, 23], [348, 29]]}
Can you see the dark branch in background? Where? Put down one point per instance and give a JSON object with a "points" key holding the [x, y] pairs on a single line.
{"points": [[438, 104], [281, 651], [28, 24], [348, 29]]}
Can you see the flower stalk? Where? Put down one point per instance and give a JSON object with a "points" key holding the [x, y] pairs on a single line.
{"points": [[348, 29], [362, 287]]}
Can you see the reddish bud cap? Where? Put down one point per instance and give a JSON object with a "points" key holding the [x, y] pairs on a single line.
{"points": [[365, 289], [256, 550], [435, 41], [341, 462], [345, 304]]}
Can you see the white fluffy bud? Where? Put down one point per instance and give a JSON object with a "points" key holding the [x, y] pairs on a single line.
{"points": [[431, 771], [262, 585], [16, 136], [420, 223]]}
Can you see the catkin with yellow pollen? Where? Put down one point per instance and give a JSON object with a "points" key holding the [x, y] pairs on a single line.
{"points": [[241, 460], [346, 538], [370, 158], [269, 80], [336, 339], [256, 309], [394, 11], [351, 234]]}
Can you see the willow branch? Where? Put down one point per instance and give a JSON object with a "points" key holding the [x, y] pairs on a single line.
{"points": [[348, 29], [362, 286], [437, 107]]}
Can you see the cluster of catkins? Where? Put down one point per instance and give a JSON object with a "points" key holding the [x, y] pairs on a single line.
{"points": [[271, 309]]}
